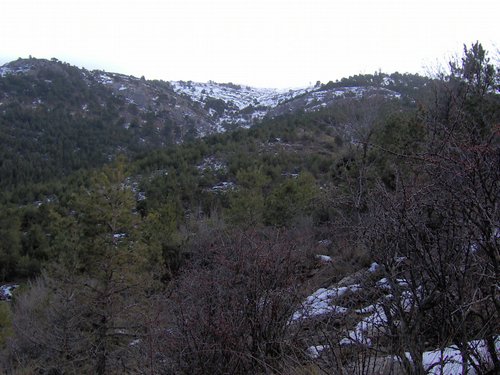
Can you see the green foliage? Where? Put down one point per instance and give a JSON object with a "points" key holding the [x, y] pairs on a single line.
{"points": [[246, 209], [41, 144], [218, 105], [246, 205], [161, 240], [290, 199], [57, 119], [105, 268], [110, 236], [106, 225], [472, 97], [475, 71], [345, 148], [400, 133], [413, 86], [10, 244], [261, 162]]}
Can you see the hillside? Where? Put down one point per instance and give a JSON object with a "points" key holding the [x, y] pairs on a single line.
{"points": [[58, 118], [351, 227]]}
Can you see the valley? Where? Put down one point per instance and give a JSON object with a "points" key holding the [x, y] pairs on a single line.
{"points": [[172, 227]]}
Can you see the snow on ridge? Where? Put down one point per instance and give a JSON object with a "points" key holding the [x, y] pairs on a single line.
{"points": [[105, 79], [240, 96], [242, 105], [4, 70], [7, 70]]}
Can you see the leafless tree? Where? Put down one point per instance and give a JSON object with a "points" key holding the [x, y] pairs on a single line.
{"points": [[437, 233]]}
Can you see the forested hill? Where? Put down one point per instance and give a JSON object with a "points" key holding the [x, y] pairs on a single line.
{"points": [[56, 118], [194, 148], [348, 228]]}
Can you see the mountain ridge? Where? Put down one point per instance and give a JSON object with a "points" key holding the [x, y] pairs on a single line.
{"points": [[211, 106], [56, 118]]}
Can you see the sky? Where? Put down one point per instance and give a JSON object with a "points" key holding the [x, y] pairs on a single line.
{"points": [[262, 43]]}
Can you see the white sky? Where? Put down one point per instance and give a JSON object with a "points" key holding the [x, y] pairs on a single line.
{"points": [[266, 43]]}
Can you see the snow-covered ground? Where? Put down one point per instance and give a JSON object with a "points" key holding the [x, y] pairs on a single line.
{"points": [[320, 99], [449, 361], [321, 302], [240, 96], [10, 68], [237, 98], [244, 105], [446, 361], [373, 321]]}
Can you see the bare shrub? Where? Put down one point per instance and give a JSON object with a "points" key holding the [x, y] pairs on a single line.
{"points": [[443, 221], [233, 305]]}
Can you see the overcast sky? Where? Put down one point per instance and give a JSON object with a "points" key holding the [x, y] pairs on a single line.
{"points": [[266, 43]]}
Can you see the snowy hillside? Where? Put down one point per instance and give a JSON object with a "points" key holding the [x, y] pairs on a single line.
{"points": [[228, 103], [240, 96], [236, 104]]}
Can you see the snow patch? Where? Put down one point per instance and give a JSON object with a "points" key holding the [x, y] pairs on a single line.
{"points": [[223, 186], [324, 258], [321, 302], [315, 351], [448, 361], [212, 163], [386, 284], [6, 291], [105, 79], [7, 70], [371, 326]]}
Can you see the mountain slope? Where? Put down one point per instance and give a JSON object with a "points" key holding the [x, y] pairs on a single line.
{"points": [[57, 118]]}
